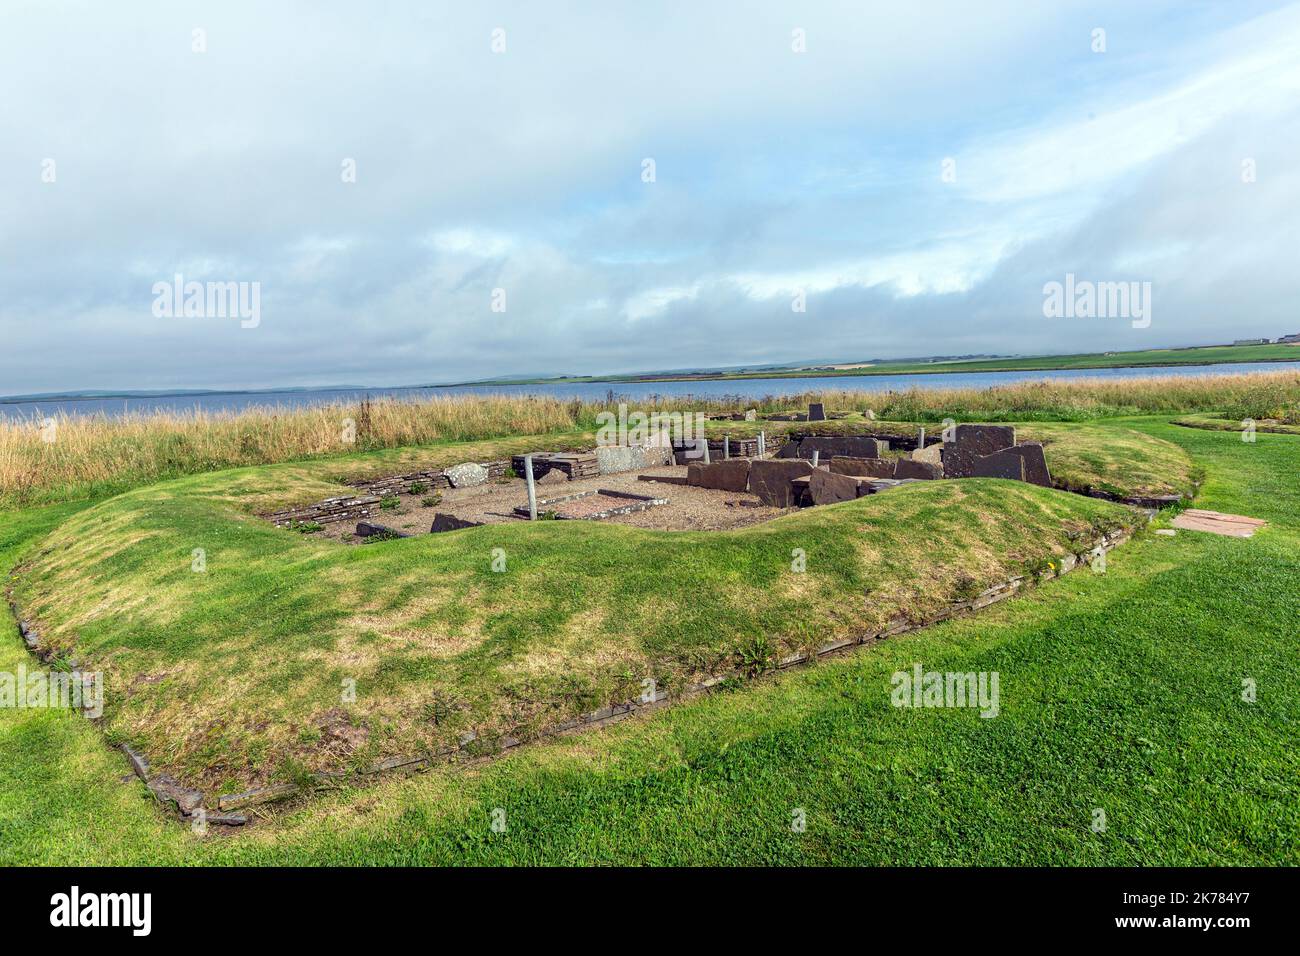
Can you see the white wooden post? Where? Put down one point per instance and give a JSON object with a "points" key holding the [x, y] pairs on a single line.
{"points": [[532, 488]]}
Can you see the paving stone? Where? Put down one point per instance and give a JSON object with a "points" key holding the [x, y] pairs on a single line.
{"points": [[1216, 522], [828, 488], [1035, 463], [863, 467], [1003, 464], [770, 480], [923, 470], [466, 475], [985, 439], [732, 475]]}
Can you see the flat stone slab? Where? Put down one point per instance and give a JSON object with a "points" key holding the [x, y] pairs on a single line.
{"points": [[1003, 464], [816, 412], [828, 488], [862, 467], [1216, 522], [770, 481], [732, 475]]}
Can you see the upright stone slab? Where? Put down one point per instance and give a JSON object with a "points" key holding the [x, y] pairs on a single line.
{"points": [[611, 459], [862, 467], [1035, 463], [770, 480], [921, 470], [751, 415], [1002, 464], [466, 475], [985, 439], [732, 475], [816, 412], [828, 488], [931, 453]]}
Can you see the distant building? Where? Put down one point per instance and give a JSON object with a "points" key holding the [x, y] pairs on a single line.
{"points": [[1251, 342], [1289, 339]]}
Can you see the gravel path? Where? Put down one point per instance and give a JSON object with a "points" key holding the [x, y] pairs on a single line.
{"points": [[688, 509]]}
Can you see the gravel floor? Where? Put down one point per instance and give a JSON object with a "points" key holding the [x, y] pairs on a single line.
{"points": [[688, 509]]}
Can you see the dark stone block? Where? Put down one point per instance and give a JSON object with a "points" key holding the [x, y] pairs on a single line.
{"points": [[770, 481], [862, 467], [368, 529], [816, 412], [957, 463], [827, 488], [730, 475], [922, 470], [1003, 464], [1035, 464], [985, 439], [444, 522]]}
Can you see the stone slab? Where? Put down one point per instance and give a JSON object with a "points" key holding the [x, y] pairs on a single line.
{"points": [[1035, 463], [1216, 522], [862, 467], [732, 475], [466, 475], [921, 470], [931, 453], [445, 522], [828, 488], [985, 439], [816, 412], [770, 480], [1003, 464]]}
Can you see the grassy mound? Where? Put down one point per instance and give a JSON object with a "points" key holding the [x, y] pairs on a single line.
{"points": [[235, 675]]}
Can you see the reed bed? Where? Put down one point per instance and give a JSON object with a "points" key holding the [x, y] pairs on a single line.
{"points": [[90, 456]]}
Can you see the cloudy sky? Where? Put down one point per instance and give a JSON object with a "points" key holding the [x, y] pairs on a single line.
{"points": [[917, 174]]}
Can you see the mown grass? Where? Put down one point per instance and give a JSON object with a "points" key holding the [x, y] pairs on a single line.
{"points": [[1120, 691], [93, 457], [231, 677]]}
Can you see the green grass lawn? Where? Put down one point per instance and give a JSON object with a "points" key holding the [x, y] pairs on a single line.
{"points": [[1119, 691]]}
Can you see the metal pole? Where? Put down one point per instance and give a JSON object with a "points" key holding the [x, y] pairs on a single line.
{"points": [[532, 488]]}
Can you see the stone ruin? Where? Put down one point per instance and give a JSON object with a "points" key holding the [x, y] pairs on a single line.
{"points": [[851, 466]]}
